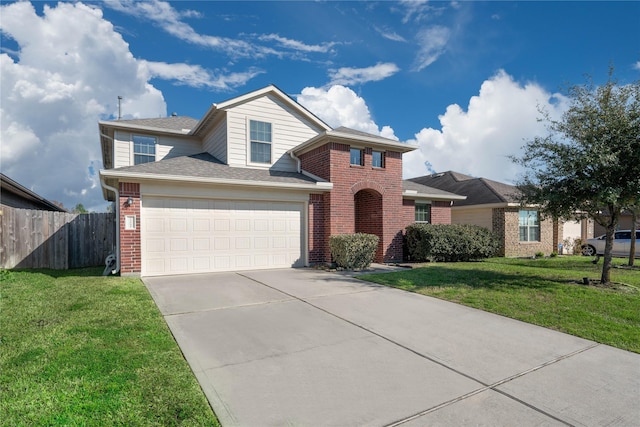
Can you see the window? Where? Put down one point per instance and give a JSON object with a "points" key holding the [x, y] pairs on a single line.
{"points": [[529, 226], [144, 149], [260, 137], [377, 159], [423, 213], [356, 157]]}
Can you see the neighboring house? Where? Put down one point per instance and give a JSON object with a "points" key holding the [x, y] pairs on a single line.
{"points": [[258, 182], [15, 195], [494, 205], [624, 223]]}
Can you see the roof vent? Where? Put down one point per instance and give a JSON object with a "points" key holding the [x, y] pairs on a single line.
{"points": [[438, 175], [174, 114]]}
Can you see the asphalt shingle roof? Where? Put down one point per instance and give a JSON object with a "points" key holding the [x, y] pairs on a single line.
{"points": [[204, 165], [479, 191], [170, 123], [423, 189]]}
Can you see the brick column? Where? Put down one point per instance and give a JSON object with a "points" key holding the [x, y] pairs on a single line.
{"points": [[130, 250]]}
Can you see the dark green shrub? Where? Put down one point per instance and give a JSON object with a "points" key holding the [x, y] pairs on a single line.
{"points": [[451, 242], [353, 251]]}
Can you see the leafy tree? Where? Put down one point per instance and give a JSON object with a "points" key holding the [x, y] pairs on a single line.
{"points": [[589, 162], [79, 208]]}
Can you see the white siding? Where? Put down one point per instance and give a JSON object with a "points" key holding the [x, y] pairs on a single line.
{"points": [[479, 216], [215, 143], [167, 147], [288, 128], [122, 150]]}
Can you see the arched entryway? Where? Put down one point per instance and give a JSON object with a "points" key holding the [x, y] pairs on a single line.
{"points": [[368, 216]]}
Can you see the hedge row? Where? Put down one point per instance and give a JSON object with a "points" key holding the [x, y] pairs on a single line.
{"points": [[353, 251], [449, 243]]}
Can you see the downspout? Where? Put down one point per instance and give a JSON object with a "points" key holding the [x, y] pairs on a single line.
{"points": [[297, 159], [117, 208]]}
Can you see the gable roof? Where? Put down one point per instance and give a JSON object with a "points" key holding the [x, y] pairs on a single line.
{"points": [[479, 191], [205, 168], [413, 190], [18, 196], [349, 136], [216, 109]]}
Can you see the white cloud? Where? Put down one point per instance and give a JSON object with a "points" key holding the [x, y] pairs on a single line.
{"points": [[637, 66], [496, 124], [414, 9], [297, 45], [67, 73], [433, 43], [340, 106], [390, 34], [196, 76], [353, 76], [170, 20]]}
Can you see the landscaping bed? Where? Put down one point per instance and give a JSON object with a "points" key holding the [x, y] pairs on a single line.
{"points": [[80, 349], [546, 292]]}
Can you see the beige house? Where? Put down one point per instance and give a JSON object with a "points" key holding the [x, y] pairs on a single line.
{"points": [[494, 205]]}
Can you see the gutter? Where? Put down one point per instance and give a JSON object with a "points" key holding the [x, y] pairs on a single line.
{"points": [[323, 186], [116, 204]]}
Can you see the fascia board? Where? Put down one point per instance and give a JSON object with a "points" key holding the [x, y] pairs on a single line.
{"points": [[412, 194], [319, 186], [280, 94], [340, 137], [491, 206]]}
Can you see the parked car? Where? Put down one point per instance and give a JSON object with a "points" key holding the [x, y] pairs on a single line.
{"points": [[621, 244]]}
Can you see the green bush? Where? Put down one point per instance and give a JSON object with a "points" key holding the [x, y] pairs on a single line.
{"points": [[353, 251], [450, 243]]}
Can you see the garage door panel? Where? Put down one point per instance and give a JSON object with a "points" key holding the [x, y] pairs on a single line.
{"points": [[190, 235]]}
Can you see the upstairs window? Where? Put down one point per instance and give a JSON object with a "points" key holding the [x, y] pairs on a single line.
{"points": [[377, 159], [356, 157], [529, 226], [260, 141], [423, 213], [144, 149]]}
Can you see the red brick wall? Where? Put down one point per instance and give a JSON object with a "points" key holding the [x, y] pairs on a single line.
{"points": [[368, 218], [331, 162], [130, 252], [317, 240], [440, 212]]}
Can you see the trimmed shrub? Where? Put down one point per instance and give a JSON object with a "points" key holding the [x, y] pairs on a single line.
{"points": [[353, 251], [450, 243]]}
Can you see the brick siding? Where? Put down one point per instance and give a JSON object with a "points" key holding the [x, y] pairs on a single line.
{"points": [[130, 250], [506, 225]]}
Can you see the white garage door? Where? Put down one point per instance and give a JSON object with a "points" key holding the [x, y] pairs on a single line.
{"points": [[196, 236]]}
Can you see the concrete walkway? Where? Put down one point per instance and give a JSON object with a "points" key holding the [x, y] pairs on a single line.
{"points": [[300, 347]]}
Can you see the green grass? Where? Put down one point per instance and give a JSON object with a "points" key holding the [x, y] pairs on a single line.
{"points": [[538, 291], [77, 349]]}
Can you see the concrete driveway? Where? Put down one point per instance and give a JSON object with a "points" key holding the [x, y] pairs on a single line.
{"points": [[300, 347]]}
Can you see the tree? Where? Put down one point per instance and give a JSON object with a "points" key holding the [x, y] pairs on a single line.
{"points": [[80, 209], [635, 210], [589, 162]]}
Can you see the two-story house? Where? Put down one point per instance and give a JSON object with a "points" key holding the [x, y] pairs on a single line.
{"points": [[258, 182]]}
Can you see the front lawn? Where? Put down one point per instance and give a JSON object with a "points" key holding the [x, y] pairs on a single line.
{"points": [[80, 349], [539, 291]]}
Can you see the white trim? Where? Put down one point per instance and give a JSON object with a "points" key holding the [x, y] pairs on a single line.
{"points": [[248, 138], [414, 195], [132, 127], [319, 186], [353, 140]]}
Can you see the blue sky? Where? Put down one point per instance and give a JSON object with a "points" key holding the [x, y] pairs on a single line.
{"points": [[461, 80]]}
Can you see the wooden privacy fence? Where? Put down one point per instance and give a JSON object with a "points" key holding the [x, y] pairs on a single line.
{"points": [[57, 240]]}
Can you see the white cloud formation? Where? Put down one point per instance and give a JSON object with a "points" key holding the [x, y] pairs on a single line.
{"points": [[297, 45], [637, 66], [170, 20], [353, 76], [414, 9], [67, 73], [390, 34], [340, 106], [478, 141], [196, 76], [433, 43]]}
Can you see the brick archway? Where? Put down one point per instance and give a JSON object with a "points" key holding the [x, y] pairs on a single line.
{"points": [[368, 216]]}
